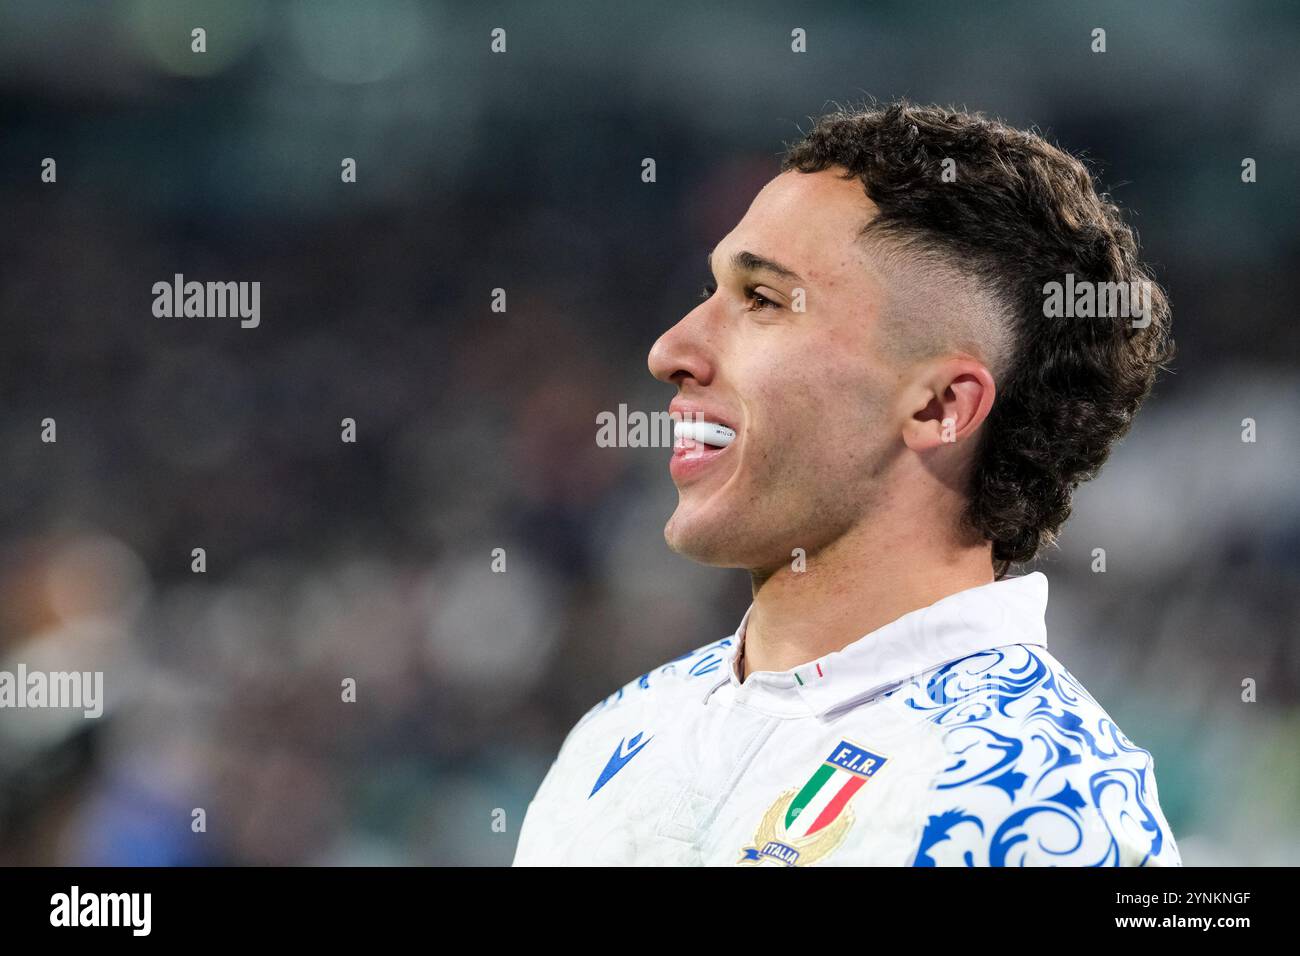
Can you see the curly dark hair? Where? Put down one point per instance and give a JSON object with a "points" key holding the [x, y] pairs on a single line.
{"points": [[1020, 213]]}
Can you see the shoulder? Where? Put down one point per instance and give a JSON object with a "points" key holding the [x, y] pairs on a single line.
{"points": [[699, 668], [693, 672], [617, 720], [1037, 773]]}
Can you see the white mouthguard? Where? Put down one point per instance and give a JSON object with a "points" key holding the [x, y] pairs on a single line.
{"points": [[706, 433]]}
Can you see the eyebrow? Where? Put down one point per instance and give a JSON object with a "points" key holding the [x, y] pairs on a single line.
{"points": [[745, 261]]}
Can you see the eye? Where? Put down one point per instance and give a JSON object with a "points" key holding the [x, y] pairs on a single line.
{"points": [[761, 302]]}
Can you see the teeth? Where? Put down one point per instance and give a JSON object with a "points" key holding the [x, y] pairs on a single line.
{"points": [[707, 433]]}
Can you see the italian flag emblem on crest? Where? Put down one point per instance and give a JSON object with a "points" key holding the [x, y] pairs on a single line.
{"points": [[806, 824]]}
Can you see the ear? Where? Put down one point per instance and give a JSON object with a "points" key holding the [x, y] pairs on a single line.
{"points": [[947, 403]]}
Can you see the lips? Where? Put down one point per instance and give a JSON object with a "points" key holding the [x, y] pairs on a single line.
{"points": [[684, 410], [702, 436]]}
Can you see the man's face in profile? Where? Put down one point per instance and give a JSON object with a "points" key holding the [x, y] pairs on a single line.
{"points": [[809, 393]]}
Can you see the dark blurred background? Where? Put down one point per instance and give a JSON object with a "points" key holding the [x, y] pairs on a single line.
{"points": [[476, 429]]}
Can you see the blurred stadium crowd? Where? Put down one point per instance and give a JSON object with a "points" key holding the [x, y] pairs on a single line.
{"points": [[476, 430]]}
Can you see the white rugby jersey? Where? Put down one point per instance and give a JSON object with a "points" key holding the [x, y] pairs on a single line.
{"points": [[949, 737]]}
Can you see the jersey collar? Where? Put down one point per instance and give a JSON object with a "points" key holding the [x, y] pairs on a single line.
{"points": [[1010, 611]]}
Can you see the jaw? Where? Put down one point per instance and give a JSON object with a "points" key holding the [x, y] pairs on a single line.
{"points": [[699, 533], [713, 530]]}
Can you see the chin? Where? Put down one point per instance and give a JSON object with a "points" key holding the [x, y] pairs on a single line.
{"points": [[716, 540], [704, 541]]}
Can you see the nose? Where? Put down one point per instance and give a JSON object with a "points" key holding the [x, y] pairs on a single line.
{"points": [[684, 351]]}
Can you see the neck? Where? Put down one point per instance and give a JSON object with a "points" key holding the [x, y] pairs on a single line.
{"points": [[855, 586]]}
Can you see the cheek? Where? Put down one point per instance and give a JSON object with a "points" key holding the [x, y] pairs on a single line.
{"points": [[850, 424], [810, 416]]}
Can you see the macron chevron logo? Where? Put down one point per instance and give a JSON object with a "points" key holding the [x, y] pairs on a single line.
{"points": [[624, 752]]}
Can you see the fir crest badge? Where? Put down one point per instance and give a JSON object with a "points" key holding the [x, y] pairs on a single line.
{"points": [[804, 825]]}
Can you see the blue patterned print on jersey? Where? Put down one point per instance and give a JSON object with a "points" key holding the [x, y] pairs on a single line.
{"points": [[706, 665], [1040, 774]]}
